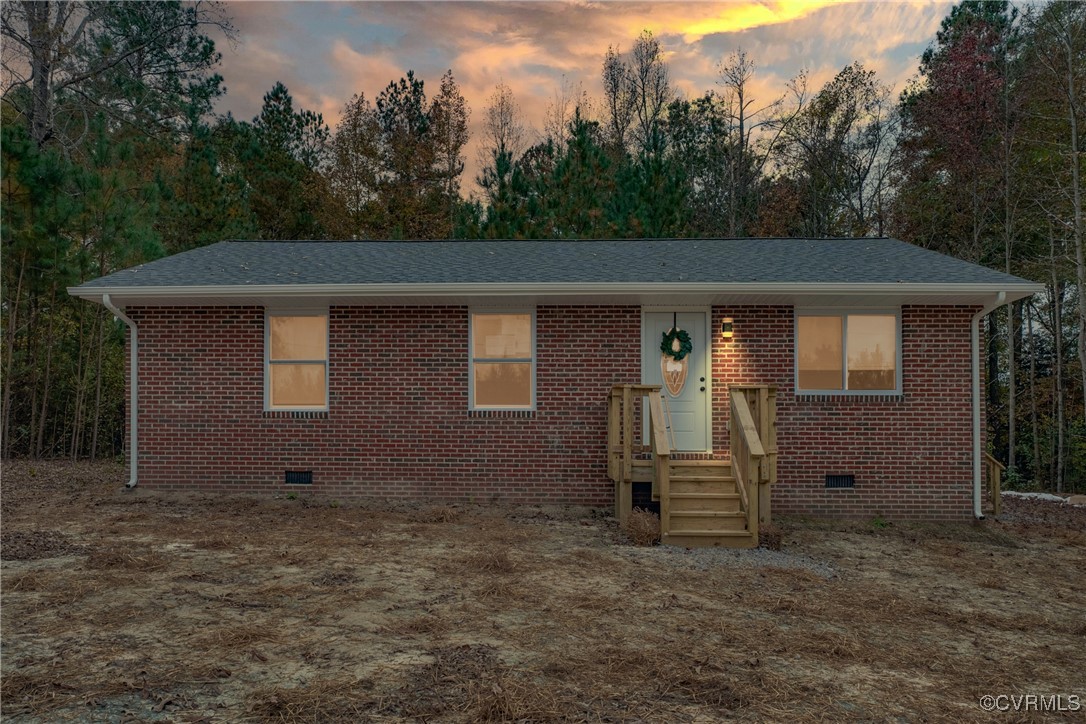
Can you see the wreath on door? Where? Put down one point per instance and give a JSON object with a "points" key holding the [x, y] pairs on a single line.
{"points": [[676, 343]]}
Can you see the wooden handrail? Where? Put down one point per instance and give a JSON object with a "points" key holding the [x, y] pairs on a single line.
{"points": [[748, 455], [657, 425], [762, 402], [993, 462], [745, 422], [661, 456], [995, 475]]}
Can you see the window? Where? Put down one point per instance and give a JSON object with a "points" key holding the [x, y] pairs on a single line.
{"points": [[847, 352], [296, 374], [502, 372]]}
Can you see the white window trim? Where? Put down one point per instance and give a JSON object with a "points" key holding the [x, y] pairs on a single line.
{"points": [[844, 314], [533, 362], [308, 312]]}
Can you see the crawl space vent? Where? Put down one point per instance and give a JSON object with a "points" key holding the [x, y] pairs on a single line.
{"points": [[840, 481], [299, 477]]}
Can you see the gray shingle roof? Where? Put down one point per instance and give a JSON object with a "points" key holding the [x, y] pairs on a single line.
{"points": [[724, 261]]}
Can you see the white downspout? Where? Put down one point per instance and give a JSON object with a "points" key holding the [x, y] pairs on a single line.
{"points": [[133, 398], [974, 331]]}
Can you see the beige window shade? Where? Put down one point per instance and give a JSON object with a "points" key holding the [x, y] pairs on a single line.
{"points": [[502, 360], [297, 364]]}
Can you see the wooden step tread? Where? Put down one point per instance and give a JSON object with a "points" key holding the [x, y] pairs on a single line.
{"points": [[710, 479], [710, 539], [710, 534], [707, 514], [706, 496], [701, 479], [689, 463]]}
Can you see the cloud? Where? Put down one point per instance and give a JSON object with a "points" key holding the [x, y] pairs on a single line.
{"points": [[735, 17], [356, 72], [326, 52]]}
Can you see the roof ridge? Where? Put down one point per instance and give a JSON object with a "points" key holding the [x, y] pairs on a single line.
{"points": [[557, 241]]}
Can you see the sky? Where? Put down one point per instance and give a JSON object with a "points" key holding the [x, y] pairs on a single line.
{"points": [[325, 52]]}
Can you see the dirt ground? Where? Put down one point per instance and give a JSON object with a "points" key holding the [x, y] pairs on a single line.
{"points": [[143, 607]]}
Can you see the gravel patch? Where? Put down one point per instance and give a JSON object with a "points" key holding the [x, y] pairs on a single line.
{"points": [[1043, 512], [707, 558], [1034, 496]]}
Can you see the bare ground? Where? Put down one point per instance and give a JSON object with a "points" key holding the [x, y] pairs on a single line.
{"points": [[143, 607]]}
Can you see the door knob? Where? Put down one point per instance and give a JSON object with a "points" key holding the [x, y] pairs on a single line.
{"points": [[702, 379], [703, 389]]}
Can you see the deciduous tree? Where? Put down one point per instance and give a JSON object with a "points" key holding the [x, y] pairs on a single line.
{"points": [[144, 65]]}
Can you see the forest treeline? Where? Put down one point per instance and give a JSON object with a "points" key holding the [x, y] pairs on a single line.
{"points": [[112, 155]]}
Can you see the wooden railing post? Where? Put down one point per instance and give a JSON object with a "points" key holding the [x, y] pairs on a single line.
{"points": [[769, 442], [995, 469], [662, 471], [614, 441], [764, 497], [754, 487], [627, 434]]}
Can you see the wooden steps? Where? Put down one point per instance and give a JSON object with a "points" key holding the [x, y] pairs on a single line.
{"points": [[700, 503], [704, 507]]}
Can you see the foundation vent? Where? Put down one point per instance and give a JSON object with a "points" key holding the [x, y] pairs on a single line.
{"points": [[840, 481], [299, 477]]}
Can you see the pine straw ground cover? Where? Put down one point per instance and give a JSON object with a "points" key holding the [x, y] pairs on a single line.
{"points": [[143, 607]]}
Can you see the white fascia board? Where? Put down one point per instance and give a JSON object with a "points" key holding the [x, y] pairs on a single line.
{"points": [[1015, 291]]}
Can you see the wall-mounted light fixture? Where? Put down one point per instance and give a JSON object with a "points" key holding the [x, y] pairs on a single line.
{"points": [[726, 328]]}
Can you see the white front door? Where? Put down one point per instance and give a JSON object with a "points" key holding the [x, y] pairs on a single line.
{"points": [[689, 404]]}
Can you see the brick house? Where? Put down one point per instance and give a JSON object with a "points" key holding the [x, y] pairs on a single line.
{"points": [[536, 372]]}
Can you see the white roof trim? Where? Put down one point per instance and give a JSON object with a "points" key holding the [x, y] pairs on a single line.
{"points": [[363, 291]]}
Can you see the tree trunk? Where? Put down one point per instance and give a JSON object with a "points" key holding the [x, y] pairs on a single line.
{"points": [[98, 388], [993, 368], [32, 340], [39, 440], [1011, 392], [1058, 393], [78, 405], [1033, 395], [38, 15], [1076, 201], [9, 361], [1008, 243]]}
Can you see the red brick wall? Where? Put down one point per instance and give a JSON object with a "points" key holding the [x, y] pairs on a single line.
{"points": [[396, 427], [911, 454], [401, 427]]}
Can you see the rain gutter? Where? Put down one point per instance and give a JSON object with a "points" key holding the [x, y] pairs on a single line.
{"points": [[974, 332], [133, 398]]}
